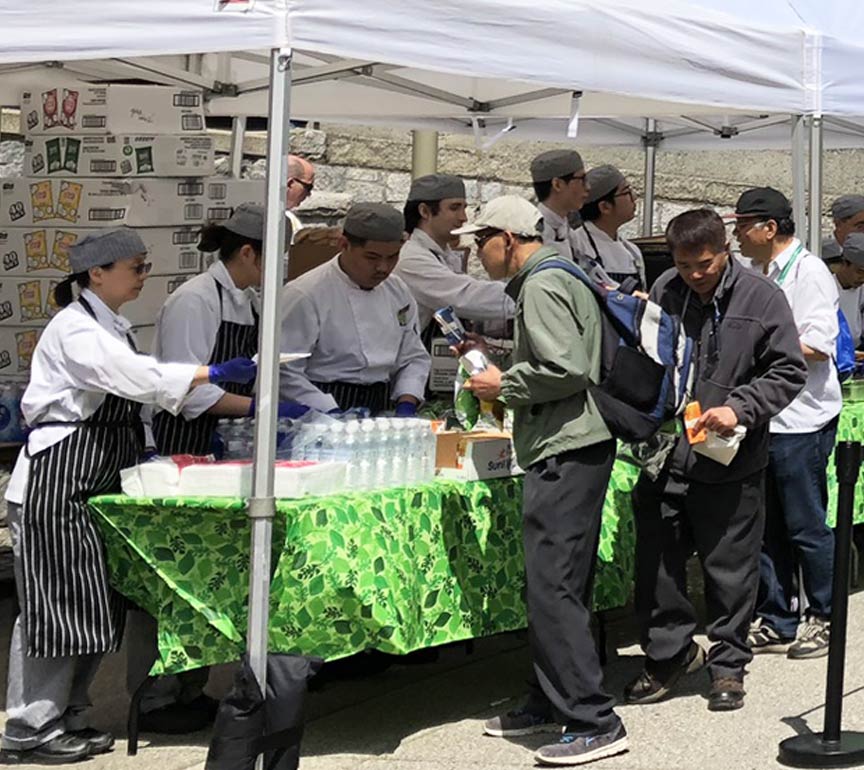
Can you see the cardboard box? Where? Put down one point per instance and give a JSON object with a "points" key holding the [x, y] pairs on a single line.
{"points": [[16, 351], [42, 252], [313, 246], [27, 301], [471, 456], [101, 202], [112, 109], [143, 311], [119, 156]]}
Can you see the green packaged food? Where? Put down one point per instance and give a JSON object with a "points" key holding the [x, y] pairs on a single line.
{"points": [[53, 152], [144, 159], [71, 155]]}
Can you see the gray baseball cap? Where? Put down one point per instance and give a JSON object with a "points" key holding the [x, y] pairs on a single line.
{"points": [[847, 206], [374, 222], [247, 220], [436, 187], [509, 212], [104, 248], [602, 181], [853, 249], [554, 164], [831, 250]]}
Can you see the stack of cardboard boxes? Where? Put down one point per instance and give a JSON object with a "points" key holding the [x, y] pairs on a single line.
{"points": [[104, 156]]}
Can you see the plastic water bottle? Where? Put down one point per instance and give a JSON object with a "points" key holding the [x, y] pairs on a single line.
{"points": [[383, 455], [428, 444], [349, 452], [329, 438], [398, 446], [367, 452]]}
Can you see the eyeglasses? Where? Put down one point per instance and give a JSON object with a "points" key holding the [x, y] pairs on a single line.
{"points": [[482, 238], [308, 186], [578, 177], [143, 269], [628, 193]]}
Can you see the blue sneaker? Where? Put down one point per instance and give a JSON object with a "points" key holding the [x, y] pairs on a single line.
{"points": [[575, 749]]}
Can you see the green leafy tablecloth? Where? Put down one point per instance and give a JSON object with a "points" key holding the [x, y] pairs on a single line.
{"points": [[395, 570], [849, 428]]}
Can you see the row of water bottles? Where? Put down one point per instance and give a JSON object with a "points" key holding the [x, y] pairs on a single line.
{"points": [[379, 453]]}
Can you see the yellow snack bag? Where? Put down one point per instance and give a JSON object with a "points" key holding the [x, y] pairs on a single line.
{"points": [[60, 250], [36, 248], [69, 200], [42, 200], [51, 306], [26, 342], [30, 300]]}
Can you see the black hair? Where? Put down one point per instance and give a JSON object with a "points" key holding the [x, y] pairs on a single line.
{"points": [[412, 213], [528, 239], [785, 226], [63, 290], [215, 237], [544, 189], [590, 212], [354, 240], [694, 231]]}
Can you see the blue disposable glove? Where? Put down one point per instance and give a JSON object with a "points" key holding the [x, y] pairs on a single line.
{"points": [[239, 370], [290, 409], [406, 409], [149, 454]]}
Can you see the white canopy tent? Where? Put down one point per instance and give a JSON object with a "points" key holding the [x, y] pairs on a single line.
{"points": [[660, 58]]}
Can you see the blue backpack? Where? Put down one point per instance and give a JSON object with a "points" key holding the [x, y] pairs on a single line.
{"points": [[646, 361], [844, 358]]}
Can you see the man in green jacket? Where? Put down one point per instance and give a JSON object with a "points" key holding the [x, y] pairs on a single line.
{"points": [[567, 451]]}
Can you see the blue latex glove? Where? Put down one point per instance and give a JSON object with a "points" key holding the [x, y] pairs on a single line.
{"points": [[239, 370], [149, 454], [406, 409], [289, 409]]}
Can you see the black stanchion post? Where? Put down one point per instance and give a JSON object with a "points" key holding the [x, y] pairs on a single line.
{"points": [[835, 748]]}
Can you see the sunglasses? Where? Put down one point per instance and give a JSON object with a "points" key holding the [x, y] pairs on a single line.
{"points": [[143, 269], [308, 186], [482, 238]]}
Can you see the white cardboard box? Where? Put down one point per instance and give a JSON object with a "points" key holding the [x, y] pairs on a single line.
{"points": [[112, 109], [143, 311], [16, 351], [42, 252], [485, 458], [101, 202], [121, 156], [27, 301]]}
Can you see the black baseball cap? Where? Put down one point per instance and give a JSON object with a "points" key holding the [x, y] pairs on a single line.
{"points": [[764, 203]]}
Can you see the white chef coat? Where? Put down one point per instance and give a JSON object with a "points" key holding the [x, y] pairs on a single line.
{"points": [[77, 361], [188, 323], [353, 335], [812, 293], [435, 278], [852, 305], [558, 234], [617, 255]]}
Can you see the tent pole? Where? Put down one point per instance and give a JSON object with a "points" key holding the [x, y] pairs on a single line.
{"points": [[650, 141], [799, 171], [815, 231], [262, 506], [238, 135], [424, 153]]}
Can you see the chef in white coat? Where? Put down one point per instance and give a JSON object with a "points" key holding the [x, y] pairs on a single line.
{"points": [[431, 269], [87, 386], [847, 265], [358, 323], [610, 205]]}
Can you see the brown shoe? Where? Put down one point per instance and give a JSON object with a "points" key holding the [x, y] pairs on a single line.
{"points": [[727, 694]]}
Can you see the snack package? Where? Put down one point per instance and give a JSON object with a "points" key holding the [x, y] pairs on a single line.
{"points": [[37, 164], [68, 201], [472, 413], [36, 248], [60, 250], [692, 413], [50, 118], [144, 159], [42, 201], [51, 306], [55, 160], [70, 156], [30, 300], [26, 342], [721, 449], [70, 108]]}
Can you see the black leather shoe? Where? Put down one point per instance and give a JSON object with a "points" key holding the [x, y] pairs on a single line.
{"points": [[727, 694], [61, 750], [654, 685], [206, 705], [174, 719], [100, 743]]}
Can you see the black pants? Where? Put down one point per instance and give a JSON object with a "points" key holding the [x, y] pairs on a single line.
{"points": [[562, 507], [724, 523]]}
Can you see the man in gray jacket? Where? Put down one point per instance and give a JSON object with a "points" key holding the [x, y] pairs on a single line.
{"points": [[748, 368]]}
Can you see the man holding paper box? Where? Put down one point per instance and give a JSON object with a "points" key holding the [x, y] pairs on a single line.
{"points": [[748, 367]]}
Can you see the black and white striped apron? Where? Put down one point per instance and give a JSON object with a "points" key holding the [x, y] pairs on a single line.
{"points": [[70, 608], [349, 395], [177, 435]]}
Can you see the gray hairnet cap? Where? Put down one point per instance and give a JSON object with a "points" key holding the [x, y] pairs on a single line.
{"points": [[853, 249], [847, 206], [105, 247], [247, 220], [556, 163], [374, 222], [831, 250], [601, 181], [436, 187]]}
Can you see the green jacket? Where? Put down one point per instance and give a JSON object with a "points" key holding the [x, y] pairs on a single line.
{"points": [[556, 356]]}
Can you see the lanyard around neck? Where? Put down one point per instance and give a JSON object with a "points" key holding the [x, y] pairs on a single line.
{"points": [[785, 271]]}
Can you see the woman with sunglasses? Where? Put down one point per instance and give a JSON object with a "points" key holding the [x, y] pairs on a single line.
{"points": [[87, 385]]}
